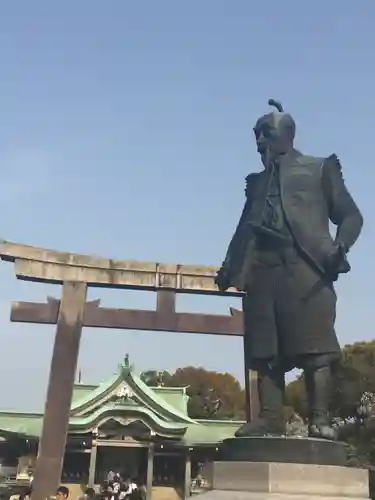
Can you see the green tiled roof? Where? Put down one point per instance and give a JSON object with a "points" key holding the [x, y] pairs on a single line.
{"points": [[164, 409], [147, 395], [115, 410], [175, 396], [155, 399], [81, 390], [210, 431], [98, 392], [27, 424]]}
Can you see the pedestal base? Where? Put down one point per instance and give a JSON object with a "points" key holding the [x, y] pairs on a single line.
{"points": [[245, 495], [282, 481], [283, 450]]}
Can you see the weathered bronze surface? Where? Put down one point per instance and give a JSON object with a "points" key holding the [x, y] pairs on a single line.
{"points": [[283, 257]]}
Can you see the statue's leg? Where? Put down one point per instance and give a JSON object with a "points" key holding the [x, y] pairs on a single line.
{"points": [[262, 349], [271, 386], [318, 380], [308, 337]]}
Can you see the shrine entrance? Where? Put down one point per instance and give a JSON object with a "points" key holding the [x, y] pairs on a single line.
{"points": [[169, 469], [72, 312], [129, 461]]}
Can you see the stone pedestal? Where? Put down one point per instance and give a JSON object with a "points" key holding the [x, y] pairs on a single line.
{"points": [[284, 450], [282, 481], [273, 468]]}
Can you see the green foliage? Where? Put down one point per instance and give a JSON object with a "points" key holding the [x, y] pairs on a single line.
{"points": [[360, 441], [353, 376], [213, 395], [154, 378]]}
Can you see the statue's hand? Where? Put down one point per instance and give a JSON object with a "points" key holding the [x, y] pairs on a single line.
{"points": [[222, 279], [336, 262]]}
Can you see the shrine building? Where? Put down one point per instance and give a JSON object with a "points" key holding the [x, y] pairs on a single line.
{"points": [[126, 426]]}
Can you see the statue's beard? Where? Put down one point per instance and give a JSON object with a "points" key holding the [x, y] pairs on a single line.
{"points": [[270, 153], [267, 155]]}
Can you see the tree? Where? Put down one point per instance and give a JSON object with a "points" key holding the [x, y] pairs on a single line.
{"points": [[154, 378], [212, 394], [354, 380], [353, 376]]}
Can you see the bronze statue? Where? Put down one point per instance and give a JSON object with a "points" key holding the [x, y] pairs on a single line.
{"points": [[284, 258]]}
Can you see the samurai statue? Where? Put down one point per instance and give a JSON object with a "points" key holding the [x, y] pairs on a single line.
{"points": [[282, 255]]}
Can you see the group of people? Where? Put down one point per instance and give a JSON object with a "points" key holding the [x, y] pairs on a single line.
{"points": [[114, 488], [117, 488]]}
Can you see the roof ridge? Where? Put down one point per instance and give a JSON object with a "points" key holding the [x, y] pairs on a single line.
{"points": [[158, 400]]}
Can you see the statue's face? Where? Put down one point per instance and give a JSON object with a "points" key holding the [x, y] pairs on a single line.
{"points": [[272, 137]]}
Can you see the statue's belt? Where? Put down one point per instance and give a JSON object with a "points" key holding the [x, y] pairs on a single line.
{"points": [[271, 242]]}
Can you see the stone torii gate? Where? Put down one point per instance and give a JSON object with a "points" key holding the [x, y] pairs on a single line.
{"points": [[76, 273]]}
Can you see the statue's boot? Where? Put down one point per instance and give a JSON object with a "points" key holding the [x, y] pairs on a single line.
{"points": [[318, 388], [271, 421]]}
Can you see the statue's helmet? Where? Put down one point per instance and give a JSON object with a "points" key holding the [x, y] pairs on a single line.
{"points": [[276, 129]]}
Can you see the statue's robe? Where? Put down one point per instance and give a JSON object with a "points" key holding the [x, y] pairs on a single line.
{"points": [[278, 256]]}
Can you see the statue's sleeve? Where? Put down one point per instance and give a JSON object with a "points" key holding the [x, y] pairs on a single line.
{"points": [[250, 179], [343, 210]]}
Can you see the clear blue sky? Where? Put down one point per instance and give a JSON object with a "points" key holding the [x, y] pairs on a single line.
{"points": [[126, 131]]}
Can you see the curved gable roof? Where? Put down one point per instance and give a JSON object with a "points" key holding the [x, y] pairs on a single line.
{"points": [[125, 414], [146, 395]]}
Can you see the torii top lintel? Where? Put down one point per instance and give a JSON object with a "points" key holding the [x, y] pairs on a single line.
{"points": [[51, 266]]}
